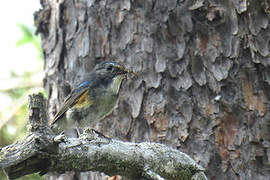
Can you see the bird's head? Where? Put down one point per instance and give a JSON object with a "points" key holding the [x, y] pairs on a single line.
{"points": [[110, 69], [109, 75]]}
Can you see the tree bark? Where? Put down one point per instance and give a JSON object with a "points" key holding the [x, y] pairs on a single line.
{"points": [[204, 73]]}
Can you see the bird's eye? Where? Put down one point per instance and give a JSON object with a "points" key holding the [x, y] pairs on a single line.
{"points": [[109, 68]]}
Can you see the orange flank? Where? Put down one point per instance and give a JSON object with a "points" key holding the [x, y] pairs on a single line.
{"points": [[83, 101]]}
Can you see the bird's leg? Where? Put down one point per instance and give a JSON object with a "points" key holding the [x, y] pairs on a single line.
{"points": [[78, 132], [100, 134]]}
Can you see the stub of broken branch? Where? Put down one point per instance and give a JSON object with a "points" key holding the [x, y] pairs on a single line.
{"points": [[37, 113], [42, 151]]}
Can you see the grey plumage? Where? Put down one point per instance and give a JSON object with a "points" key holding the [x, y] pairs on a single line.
{"points": [[93, 99]]}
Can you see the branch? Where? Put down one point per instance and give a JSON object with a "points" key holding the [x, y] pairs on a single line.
{"points": [[41, 151]]}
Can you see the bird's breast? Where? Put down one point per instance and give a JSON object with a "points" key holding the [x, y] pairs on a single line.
{"points": [[96, 103], [116, 84]]}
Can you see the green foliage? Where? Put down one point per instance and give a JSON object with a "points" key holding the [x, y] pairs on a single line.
{"points": [[17, 93], [29, 37], [14, 126], [27, 177]]}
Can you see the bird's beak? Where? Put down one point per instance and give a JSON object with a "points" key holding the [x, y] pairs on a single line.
{"points": [[124, 71]]}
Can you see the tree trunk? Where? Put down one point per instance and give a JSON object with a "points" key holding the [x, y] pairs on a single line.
{"points": [[203, 66]]}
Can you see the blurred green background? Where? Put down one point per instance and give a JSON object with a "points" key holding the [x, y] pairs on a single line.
{"points": [[21, 70]]}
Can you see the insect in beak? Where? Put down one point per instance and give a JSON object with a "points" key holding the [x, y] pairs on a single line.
{"points": [[130, 72], [134, 73]]}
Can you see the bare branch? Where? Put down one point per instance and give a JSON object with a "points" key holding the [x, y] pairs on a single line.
{"points": [[41, 151]]}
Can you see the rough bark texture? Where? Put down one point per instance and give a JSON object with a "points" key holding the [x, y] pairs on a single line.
{"points": [[204, 73]]}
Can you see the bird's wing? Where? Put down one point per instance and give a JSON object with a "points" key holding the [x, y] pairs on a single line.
{"points": [[78, 95]]}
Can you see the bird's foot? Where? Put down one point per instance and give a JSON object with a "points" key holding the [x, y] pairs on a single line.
{"points": [[59, 138], [100, 134], [97, 133]]}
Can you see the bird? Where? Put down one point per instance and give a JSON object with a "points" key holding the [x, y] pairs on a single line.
{"points": [[92, 99]]}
